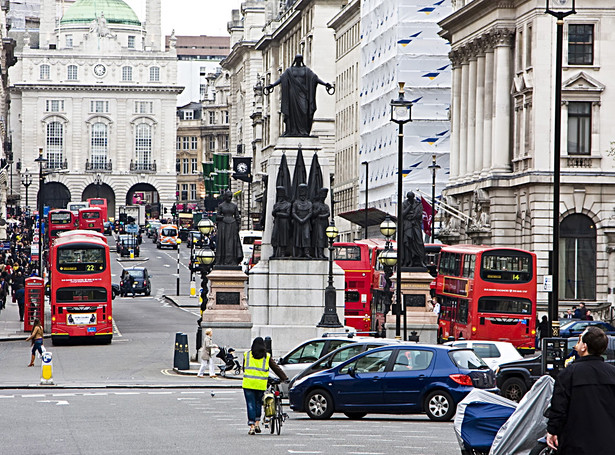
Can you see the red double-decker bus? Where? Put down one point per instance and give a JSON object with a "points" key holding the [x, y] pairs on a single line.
{"points": [[60, 220], [101, 203], [487, 293], [80, 288], [91, 218]]}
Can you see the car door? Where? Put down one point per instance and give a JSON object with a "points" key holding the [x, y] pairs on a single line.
{"points": [[410, 372], [358, 385]]}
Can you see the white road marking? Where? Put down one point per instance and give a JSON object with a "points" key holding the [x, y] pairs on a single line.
{"points": [[33, 396], [63, 394], [7, 396], [126, 393], [297, 451], [57, 402], [159, 393], [193, 392]]}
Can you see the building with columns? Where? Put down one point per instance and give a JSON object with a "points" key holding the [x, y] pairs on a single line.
{"points": [[502, 155], [98, 96]]}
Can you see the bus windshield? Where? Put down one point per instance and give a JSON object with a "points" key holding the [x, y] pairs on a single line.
{"points": [[90, 215], [81, 259], [498, 267], [504, 305], [60, 217]]}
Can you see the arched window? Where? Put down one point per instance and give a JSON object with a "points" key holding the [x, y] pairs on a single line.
{"points": [[55, 145], [100, 145], [578, 258], [143, 146]]}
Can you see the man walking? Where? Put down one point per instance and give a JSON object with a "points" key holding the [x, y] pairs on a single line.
{"points": [[582, 414]]}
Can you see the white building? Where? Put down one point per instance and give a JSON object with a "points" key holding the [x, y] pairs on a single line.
{"points": [[98, 97], [502, 157]]}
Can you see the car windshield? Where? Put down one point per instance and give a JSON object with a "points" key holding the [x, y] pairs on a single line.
{"points": [[467, 359]]}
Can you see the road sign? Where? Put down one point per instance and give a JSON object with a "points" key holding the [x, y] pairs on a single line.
{"points": [[131, 229], [547, 284]]}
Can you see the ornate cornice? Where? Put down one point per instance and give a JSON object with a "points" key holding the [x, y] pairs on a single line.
{"points": [[96, 88]]}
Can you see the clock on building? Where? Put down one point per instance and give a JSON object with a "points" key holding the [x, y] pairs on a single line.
{"points": [[242, 168], [100, 70]]}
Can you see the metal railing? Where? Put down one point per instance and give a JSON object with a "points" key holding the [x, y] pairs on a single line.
{"points": [[142, 167], [98, 166]]}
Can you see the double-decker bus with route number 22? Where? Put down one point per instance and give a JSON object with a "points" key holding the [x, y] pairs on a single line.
{"points": [[81, 288]]}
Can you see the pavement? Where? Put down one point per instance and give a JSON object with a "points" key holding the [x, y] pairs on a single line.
{"points": [[10, 327]]}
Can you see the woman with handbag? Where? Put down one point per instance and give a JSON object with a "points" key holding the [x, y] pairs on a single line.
{"points": [[36, 337], [207, 355]]}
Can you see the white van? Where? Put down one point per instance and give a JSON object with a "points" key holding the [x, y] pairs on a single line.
{"points": [[247, 245]]}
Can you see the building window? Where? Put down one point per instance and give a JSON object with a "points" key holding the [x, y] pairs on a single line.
{"points": [[127, 73], [212, 118], [177, 168], [100, 145], [189, 115], [44, 72], [580, 44], [55, 145], [143, 145], [579, 128], [203, 90], [131, 42], [226, 117], [72, 73], [212, 143], [186, 143], [178, 143], [54, 105], [69, 41], [194, 166], [185, 166], [225, 142], [99, 106], [193, 191], [144, 107], [184, 195], [194, 143], [578, 263], [154, 74]]}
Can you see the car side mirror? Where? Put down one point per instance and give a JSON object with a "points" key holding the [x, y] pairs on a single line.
{"points": [[352, 372], [281, 361]]}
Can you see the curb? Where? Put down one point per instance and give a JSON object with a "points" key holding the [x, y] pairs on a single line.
{"points": [[215, 384], [171, 300]]}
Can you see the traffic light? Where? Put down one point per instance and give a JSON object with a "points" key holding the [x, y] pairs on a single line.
{"points": [[165, 210], [174, 210]]}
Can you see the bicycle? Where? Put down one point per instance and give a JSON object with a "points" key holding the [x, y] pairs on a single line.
{"points": [[272, 402]]}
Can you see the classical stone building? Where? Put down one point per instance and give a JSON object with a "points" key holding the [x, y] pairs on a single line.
{"points": [[502, 155], [98, 96]]}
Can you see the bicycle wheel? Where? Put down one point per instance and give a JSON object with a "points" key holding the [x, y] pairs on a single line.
{"points": [[279, 425], [272, 424]]}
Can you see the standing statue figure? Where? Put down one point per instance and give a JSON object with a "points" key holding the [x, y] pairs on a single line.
{"points": [[281, 223], [413, 247], [320, 221], [299, 85], [228, 249], [302, 214]]}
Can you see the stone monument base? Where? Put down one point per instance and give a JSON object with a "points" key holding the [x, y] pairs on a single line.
{"points": [[227, 310], [415, 295]]}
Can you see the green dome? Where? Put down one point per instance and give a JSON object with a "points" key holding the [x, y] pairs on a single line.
{"points": [[115, 12]]}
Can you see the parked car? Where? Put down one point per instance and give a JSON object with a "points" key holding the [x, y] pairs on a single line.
{"points": [[493, 353], [576, 328], [394, 379], [142, 283], [115, 290], [515, 378]]}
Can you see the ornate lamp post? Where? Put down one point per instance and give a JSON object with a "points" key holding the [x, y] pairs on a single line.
{"points": [[434, 167], [388, 259], [401, 113], [205, 258], [562, 9], [329, 317], [41, 208], [26, 180], [205, 227]]}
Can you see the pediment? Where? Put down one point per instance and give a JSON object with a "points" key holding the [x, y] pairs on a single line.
{"points": [[583, 82]]}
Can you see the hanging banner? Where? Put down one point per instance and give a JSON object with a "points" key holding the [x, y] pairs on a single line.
{"points": [[428, 216]]}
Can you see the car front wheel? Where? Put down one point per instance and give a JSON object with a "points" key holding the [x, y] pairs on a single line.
{"points": [[514, 389], [319, 404], [439, 406]]}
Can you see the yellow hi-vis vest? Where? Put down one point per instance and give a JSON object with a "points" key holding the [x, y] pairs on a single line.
{"points": [[256, 372]]}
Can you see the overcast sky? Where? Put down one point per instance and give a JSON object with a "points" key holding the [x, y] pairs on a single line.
{"points": [[192, 17]]}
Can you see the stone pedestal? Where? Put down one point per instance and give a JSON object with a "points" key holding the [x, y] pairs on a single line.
{"points": [[419, 315], [227, 308]]}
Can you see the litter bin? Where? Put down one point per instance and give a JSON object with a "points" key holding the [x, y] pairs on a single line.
{"points": [[181, 358]]}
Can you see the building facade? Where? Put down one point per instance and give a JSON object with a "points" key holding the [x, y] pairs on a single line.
{"points": [[502, 158], [98, 97]]}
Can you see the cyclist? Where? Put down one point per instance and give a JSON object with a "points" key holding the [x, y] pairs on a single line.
{"points": [[256, 364]]}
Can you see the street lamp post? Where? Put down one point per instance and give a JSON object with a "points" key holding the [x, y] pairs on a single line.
{"points": [[434, 167], [98, 183], [41, 207], [563, 8], [401, 113], [26, 181], [388, 258], [179, 242], [205, 227], [366, 164], [329, 317], [205, 258]]}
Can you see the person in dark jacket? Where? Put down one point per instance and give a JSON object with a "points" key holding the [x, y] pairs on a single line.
{"points": [[582, 414]]}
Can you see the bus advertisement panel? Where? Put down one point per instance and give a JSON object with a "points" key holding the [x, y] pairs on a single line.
{"points": [[81, 288], [61, 220], [100, 202], [487, 293], [91, 218]]}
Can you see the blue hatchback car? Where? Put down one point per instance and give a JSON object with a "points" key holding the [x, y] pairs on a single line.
{"points": [[394, 379], [576, 328]]}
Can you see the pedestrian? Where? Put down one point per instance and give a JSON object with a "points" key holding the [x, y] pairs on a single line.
{"points": [[588, 316], [582, 413], [575, 312], [131, 284], [20, 296], [543, 330], [199, 336], [4, 290], [256, 364], [206, 356], [36, 338]]}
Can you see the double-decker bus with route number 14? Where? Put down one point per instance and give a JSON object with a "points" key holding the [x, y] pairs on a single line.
{"points": [[487, 293], [80, 288]]}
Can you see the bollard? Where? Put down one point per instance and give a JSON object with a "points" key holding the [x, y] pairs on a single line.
{"points": [[192, 289], [132, 253], [181, 358], [47, 368]]}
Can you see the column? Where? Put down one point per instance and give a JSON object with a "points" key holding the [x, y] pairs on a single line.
{"points": [[501, 120], [488, 110], [471, 113], [480, 110], [456, 114], [463, 132]]}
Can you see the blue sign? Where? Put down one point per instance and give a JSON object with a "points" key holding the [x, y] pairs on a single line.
{"points": [[5, 246], [131, 228]]}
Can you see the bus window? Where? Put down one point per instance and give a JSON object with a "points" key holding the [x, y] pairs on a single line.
{"points": [[90, 215], [462, 311], [352, 296], [450, 264], [469, 262], [81, 260], [504, 305], [70, 295], [347, 253], [511, 267]]}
